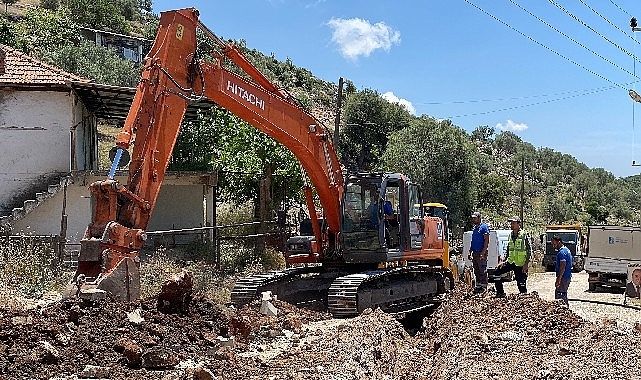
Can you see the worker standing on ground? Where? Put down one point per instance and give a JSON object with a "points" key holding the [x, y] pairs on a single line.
{"points": [[517, 259], [478, 251], [563, 269]]}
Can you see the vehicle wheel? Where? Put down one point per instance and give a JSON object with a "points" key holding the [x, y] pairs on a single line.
{"points": [[591, 286]]}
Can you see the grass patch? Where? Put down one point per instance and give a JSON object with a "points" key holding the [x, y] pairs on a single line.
{"points": [[29, 270]]}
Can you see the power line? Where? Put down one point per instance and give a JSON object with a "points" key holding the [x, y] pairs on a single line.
{"points": [[609, 22], [582, 92], [577, 19], [544, 46], [621, 9], [571, 39], [528, 105]]}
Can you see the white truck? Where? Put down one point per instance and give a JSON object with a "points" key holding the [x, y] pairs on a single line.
{"points": [[497, 246], [609, 252]]}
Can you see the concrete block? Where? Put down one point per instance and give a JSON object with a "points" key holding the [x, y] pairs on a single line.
{"points": [[267, 308]]}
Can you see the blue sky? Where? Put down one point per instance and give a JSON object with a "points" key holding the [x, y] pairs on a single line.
{"points": [[556, 72]]}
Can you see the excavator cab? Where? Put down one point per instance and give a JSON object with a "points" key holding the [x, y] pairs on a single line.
{"points": [[378, 220]]}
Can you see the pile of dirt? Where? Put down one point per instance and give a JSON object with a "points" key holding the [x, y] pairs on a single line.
{"points": [[468, 337]]}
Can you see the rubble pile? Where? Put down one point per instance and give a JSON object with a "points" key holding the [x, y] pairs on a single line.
{"points": [[468, 337], [523, 336]]}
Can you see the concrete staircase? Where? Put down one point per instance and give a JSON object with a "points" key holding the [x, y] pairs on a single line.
{"points": [[29, 205]]}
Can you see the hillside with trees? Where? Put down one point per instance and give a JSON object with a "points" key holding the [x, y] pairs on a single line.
{"points": [[495, 172]]}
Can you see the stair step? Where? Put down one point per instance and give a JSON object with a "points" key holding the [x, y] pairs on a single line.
{"points": [[41, 197], [18, 213], [29, 205]]}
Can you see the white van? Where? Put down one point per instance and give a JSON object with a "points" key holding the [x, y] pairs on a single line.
{"points": [[496, 247]]}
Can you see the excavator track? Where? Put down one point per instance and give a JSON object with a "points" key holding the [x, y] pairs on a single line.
{"points": [[395, 290], [282, 283]]}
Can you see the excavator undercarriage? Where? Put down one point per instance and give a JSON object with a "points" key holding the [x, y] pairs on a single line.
{"points": [[393, 290]]}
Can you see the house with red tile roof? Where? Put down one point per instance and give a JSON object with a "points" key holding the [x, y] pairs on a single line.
{"points": [[45, 129], [48, 135]]}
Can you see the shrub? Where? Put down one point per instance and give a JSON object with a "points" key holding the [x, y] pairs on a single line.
{"points": [[29, 268]]}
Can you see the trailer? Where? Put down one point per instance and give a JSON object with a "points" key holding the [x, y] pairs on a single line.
{"points": [[610, 250]]}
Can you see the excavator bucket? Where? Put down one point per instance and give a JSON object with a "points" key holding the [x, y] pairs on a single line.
{"points": [[122, 283], [91, 281]]}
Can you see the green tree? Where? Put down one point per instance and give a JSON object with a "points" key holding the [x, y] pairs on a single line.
{"points": [[368, 121], [99, 14], [491, 191], [51, 5], [7, 32], [439, 157], [559, 206], [43, 30], [506, 143], [483, 134], [243, 155], [95, 62], [598, 212]]}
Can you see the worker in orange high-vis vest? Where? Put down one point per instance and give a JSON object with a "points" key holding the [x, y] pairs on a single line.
{"points": [[517, 259]]}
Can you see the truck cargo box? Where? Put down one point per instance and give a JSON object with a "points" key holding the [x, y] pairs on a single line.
{"points": [[614, 242], [610, 250], [496, 246]]}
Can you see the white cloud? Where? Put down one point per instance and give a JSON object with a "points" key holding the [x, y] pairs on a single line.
{"points": [[390, 97], [356, 37], [314, 3], [511, 126]]}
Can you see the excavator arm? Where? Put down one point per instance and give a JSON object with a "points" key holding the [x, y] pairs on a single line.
{"points": [[172, 77]]}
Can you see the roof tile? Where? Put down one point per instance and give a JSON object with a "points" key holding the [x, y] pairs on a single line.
{"points": [[19, 69]]}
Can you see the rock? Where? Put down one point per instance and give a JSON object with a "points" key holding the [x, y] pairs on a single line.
{"points": [[92, 295], [159, 358], [95, 372], [175, 293], [225, 342], [267, 308], [21, 320], [201, 373], [130, 350], [47, 353], [136, 316]]}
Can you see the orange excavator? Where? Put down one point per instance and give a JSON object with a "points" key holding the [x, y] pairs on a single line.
{"points": [[369, 244]]}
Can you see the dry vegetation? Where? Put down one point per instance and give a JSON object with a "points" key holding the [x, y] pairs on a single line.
{"points": [[106, 140], [21, 7]]}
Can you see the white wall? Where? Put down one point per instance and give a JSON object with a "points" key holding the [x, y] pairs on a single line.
{"points": [[36, 141], [179, 205], [34, 133]]}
